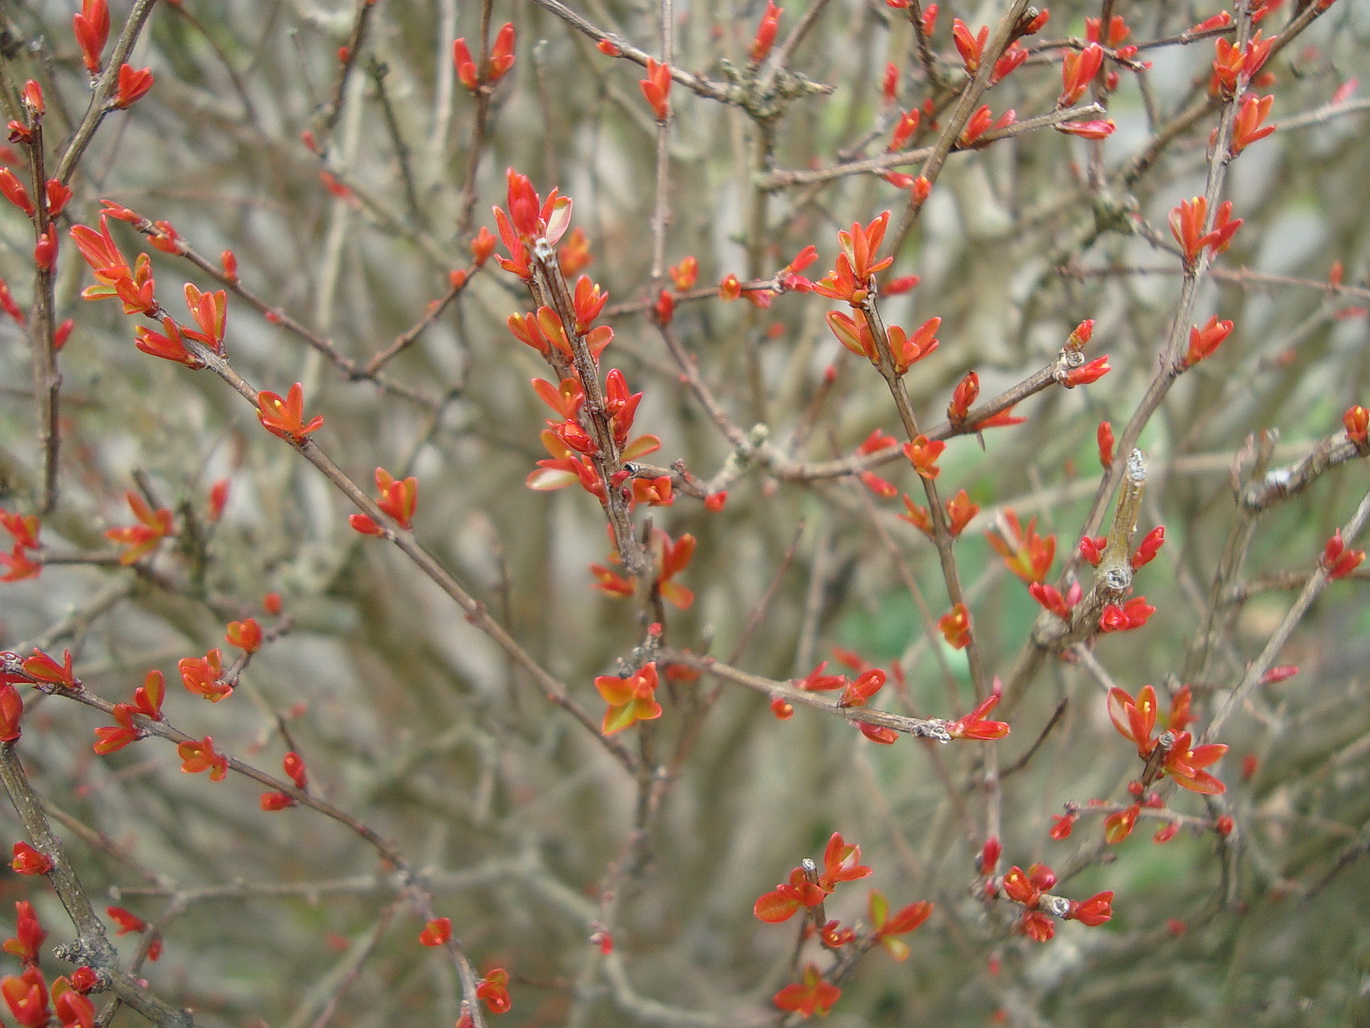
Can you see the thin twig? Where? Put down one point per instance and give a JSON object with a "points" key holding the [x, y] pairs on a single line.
{"points": [[91, 946]]}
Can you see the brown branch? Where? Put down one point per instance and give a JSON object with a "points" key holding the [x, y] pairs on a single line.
{"points": [[104, 88], [91, 947], [919, 728], [328, 116]]}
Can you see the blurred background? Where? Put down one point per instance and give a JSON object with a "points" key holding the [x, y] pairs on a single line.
{"points": [[418, 725]]}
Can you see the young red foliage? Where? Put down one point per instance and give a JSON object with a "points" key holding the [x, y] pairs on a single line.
{"points": [[143, 538], [200, 755], [437, 932], [766, 32], [812, 995], [630, 698], [656, 87], [91, 28], [134, 84], [975, 726], [28, 934], [29, 861], [493, 990], [285, 417], [1027, 554]]}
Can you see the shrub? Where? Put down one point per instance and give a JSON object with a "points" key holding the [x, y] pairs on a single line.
{"points": [[962, 424]]}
